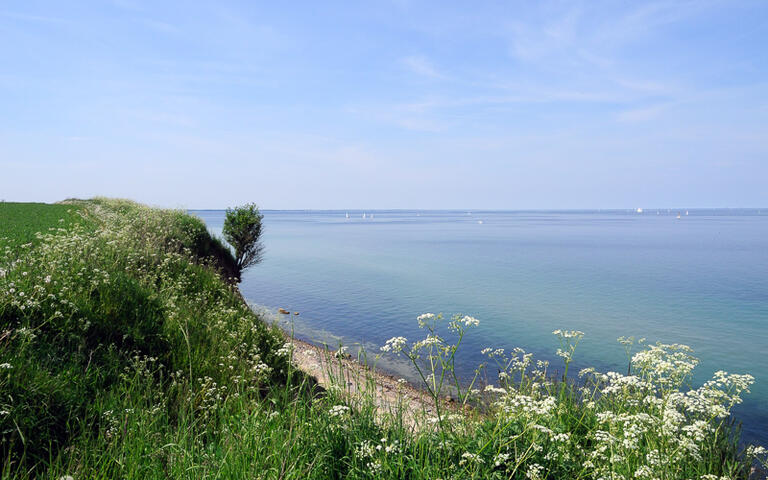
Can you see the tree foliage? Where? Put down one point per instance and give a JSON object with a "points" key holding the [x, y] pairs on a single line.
{"points": [[242, 229]]}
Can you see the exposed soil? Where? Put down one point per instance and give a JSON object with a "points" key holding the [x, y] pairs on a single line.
{"points": [[391, 393]]}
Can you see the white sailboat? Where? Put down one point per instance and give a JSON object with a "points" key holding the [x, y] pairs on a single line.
{"points": [[347, 214], [363, 216]]}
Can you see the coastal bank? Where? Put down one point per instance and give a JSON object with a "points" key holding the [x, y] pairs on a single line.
{"points": [[126, 351]]}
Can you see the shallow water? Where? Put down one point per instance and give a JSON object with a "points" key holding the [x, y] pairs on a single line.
{"points": [[701, 280]]}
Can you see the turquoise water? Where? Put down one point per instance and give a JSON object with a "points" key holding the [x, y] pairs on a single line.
{"points": [[701, 280]]}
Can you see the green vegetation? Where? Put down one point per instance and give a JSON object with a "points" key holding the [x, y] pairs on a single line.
{"points": [[134, 291], [127, 352], [19, 222], [242, 229]]}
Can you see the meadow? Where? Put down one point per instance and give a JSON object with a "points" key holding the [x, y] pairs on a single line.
{"points": [[20, 222], [127, 351]]}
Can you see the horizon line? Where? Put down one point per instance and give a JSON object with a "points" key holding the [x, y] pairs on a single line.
{"points": [[471, 210]]}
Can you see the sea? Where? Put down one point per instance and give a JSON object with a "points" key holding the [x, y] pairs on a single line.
{"points": [[698, 277]]}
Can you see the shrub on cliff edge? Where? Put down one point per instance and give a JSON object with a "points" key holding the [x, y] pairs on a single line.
{"points": [[242, 229]]}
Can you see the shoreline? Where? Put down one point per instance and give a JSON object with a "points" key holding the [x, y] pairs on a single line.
{"points": [[316, 358], [391, 393]]}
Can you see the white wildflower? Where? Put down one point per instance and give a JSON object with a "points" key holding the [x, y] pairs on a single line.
{"points": [[541, 428], [394, 344], [430, 341], [655, 458], [374, 467], [501, 459], [393, 448], [338, 410], [756, 451], [424, 317], [467, 457], [534, 472], [285, 350], [492, 389], [365, 450], [568, 333], [644, 471], [341, 352]]}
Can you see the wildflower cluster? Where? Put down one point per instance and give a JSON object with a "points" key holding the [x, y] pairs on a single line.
{"points": [[84, 300], [644, 424], [434, 359]]}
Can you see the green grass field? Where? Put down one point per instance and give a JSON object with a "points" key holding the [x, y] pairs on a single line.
{"points": [[19, 222]]}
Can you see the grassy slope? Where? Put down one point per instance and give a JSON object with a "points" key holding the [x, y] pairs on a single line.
{"points": [[125, 354], [131, 289]]}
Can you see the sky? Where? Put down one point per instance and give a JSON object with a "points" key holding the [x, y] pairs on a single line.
{"points": [[389, 104]]}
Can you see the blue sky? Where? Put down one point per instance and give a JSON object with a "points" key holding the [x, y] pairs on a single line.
{"points": [[397, 104]]}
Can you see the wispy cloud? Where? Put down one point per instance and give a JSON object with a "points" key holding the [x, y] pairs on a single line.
{"points": [[34, 18], [421, 66], [535, 39], [159, 26], [646, 17], [641, 114]]}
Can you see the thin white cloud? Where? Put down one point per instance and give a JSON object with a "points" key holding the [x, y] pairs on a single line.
{"points": [[647, 86], [642, 114], [159, 26], [421, 66], [647, 17], [34, 18]]}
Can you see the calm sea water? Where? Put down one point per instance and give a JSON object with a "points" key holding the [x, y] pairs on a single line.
{"points": [[701, 280]]}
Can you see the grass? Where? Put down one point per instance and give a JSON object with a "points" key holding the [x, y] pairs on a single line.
{"points": [[127, 352], [19, 222]]}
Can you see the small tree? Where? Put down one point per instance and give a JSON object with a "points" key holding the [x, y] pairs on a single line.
{"points": [[242, 229]]}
